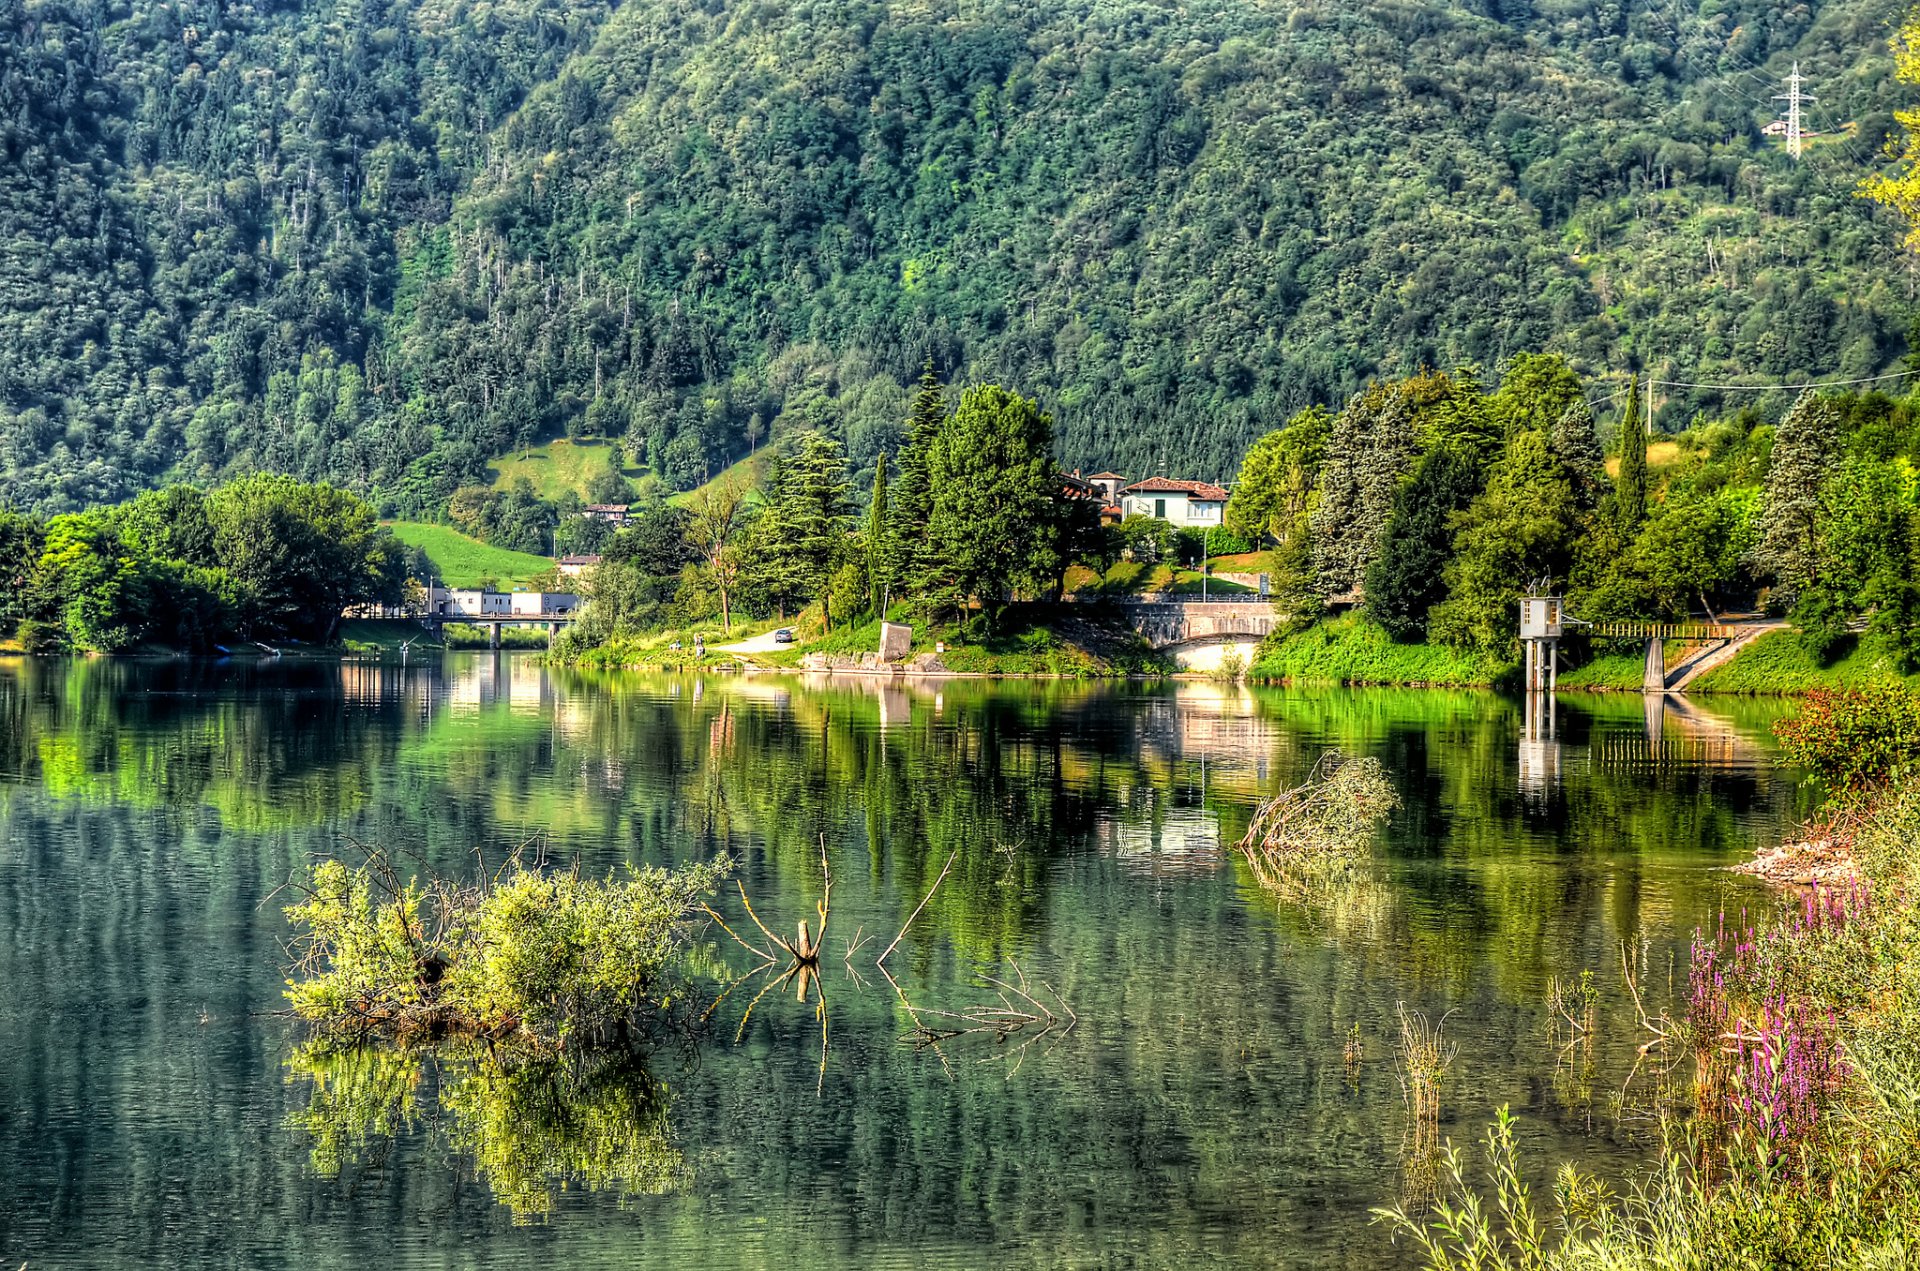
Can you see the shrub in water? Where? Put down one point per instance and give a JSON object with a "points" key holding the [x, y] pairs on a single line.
{"points": [[528, 954], [1320, 829]]}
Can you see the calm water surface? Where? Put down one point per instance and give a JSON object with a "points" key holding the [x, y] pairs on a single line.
{"points": [[156, 1111]]}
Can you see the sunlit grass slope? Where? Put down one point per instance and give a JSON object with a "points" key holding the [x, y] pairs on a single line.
{"points": [[464, 562]]}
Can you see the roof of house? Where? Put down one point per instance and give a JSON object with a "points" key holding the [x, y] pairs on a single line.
{"points": [[1106, 476], [579, 560], [1168, 485], [608, 507]]}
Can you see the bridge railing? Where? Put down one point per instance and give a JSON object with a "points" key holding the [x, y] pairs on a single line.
{"points": [[1664, 630]]}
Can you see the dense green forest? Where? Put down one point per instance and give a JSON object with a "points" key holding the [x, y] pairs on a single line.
{"points": [[379, 243]]}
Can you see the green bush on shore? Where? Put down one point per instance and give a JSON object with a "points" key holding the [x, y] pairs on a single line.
{"points": [[1355, 650]]}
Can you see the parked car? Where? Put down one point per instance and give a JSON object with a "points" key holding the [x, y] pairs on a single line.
{"points": [[784, 635]]}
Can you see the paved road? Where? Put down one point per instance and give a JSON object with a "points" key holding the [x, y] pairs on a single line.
{"points": [[757, 644]]}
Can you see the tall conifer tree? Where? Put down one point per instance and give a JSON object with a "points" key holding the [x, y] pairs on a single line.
{"points": [[1632, 486], [879, 576], [1368, 452], [1805, 449]]}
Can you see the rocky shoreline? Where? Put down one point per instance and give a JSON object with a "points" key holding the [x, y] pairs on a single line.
{"points": [[1823, 861]]}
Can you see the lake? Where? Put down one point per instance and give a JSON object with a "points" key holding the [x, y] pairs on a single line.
{"points": [[1191, 1099]]}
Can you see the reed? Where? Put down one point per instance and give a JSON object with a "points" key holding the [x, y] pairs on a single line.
{"points": [[1425, 1057]]}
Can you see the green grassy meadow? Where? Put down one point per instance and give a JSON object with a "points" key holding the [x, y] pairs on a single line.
{"points": [[557, 468], [464, 562]]}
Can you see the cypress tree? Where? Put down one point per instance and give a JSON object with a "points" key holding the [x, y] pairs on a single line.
{"points": [[1632, 486], [878, 575]]}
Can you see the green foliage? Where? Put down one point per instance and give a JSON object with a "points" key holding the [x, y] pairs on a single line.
{"points": [[515, 519], [1273, 495], [1854, 741], [265, 556], [1352, 650], [529, 954], [1522, 529], [379, 246], [299, 554], [1694, 544]]}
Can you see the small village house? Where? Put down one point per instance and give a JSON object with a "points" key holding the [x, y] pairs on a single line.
{"points": [[1187, 504]]}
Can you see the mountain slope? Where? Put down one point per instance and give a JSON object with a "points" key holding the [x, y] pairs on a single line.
{"points": [[696, 224]]}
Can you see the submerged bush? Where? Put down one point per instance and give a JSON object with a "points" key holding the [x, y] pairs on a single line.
{"points": [[528, 954], [1319, 831]]}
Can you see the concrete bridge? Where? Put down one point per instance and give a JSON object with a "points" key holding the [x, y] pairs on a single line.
{"points": [[1174, 624]]}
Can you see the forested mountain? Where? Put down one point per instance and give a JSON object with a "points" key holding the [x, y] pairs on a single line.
{"points": [[379, 242]]}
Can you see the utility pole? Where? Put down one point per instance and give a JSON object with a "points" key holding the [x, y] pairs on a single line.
{"points": [[1793, 97]]}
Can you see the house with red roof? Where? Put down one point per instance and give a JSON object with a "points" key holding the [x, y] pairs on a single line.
{"points": [[1187, 504]]}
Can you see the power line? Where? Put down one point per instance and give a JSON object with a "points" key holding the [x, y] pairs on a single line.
{"points": [[1769, 388]]}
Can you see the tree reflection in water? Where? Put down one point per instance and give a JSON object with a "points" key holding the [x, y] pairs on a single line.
{"points": [[529, 1126]]}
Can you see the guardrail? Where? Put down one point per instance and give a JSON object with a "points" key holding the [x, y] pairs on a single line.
{"points": [[1665, 630]]}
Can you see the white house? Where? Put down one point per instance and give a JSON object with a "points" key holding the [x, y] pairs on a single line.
{"points": [[1188, 504], [470, 602], [536, 604]]}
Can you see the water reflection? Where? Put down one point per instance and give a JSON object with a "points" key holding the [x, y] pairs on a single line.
{"points": [[1200, 1107], [529, 1127]]}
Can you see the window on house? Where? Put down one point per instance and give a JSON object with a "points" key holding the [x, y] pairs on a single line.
{"points": [[1160, 508]]}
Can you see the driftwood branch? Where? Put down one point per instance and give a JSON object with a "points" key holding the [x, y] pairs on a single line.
{"points": [[917, 908]]}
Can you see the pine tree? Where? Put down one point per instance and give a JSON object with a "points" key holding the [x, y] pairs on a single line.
{"points": [[1369, 450], [879, 576], [909, 502], [1631, 488], [1805, 449], [813, 498]]}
